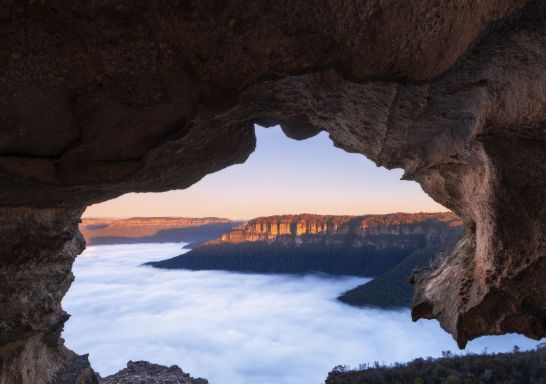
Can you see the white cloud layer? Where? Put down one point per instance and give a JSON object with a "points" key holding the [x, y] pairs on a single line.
{"points": [[235, 328]]}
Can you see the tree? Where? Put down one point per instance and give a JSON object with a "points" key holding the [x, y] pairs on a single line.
{"points": [[451, 379], [341, 368]]}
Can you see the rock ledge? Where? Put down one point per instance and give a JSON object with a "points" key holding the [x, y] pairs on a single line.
{"points": [[143, 372]]}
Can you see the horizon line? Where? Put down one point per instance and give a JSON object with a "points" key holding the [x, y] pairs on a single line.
{"points": [[256, 217]]}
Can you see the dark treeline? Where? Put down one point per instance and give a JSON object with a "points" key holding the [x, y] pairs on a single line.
{"points": [[262, 257], [391, 289], [504, 368]]}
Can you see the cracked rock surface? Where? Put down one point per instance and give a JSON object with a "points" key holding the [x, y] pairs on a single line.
{"points": [[102, 98]]}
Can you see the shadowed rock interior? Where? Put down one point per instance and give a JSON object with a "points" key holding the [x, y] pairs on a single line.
{"points": [[102, 98]]}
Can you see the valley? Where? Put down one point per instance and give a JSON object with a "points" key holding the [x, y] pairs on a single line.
{"points": [[385, 247]]}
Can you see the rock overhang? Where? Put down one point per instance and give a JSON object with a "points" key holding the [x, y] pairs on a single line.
{"points": [[103, 98]]}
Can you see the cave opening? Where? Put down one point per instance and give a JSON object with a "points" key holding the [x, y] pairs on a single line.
{"points": [[121, 310], [99, 99], [283, 175]]}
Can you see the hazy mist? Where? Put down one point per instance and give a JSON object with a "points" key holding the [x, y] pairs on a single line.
{"points": [[235, 328]]}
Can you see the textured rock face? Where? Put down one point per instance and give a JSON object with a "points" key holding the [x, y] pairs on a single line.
{"points": [[434, 227], [38, 249], [101, 98], [143, 372]]}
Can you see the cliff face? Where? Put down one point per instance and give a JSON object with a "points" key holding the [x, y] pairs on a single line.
{"points": [[153, 229], [364, 230], [344, 245], [31, 316], [164, 222]]}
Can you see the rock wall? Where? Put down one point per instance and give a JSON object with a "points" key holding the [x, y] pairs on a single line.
{"points": [[94, 229], [38, 249], [102, 98], [433, 227], [143, 372], [366, 245]]}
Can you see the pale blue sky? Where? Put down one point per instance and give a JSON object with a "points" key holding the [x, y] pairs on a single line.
{"points": [[283, 176]]}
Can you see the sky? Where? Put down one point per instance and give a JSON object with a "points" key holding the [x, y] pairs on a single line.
{"points": [[283, 176], [236, 328]]}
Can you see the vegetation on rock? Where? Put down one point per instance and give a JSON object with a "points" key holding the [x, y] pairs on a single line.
{"points": [[503, 368]]}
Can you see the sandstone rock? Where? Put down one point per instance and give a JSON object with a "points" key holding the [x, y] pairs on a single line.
{"points": [[76, 371], [151, 96], [153, 229], [434, 227], [104, 98], [143, 372], [38, 249], [366, 245]]}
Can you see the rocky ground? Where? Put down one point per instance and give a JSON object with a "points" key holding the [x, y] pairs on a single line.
{"points": [[143, 372]]}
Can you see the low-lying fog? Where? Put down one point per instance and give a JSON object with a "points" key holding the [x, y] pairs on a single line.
{"points": [[235, 328]]}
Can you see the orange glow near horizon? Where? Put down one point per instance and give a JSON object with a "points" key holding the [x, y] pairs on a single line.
{"points": [[283, 176]]}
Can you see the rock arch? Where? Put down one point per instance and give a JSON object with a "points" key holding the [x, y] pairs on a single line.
{"points": [[102, 98]]}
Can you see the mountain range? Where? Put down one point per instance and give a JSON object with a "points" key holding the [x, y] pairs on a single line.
{"points": [[101, 231], [385, 247]]}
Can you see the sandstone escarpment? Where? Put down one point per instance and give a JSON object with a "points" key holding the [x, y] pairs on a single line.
{"points": [[366, 245], [164, 222], [432, 227], [102, 98], [153, 229]]}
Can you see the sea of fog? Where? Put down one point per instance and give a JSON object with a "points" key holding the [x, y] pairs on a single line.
{"points": [[236, 328]]}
